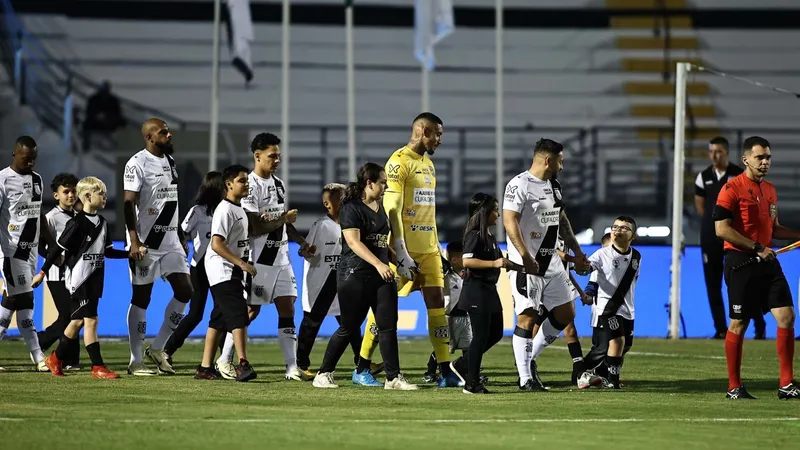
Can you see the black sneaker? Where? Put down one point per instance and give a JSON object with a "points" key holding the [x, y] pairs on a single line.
{"points": [[475, 389], [535, 374], [206, 373], [741, 393], [483, 379], [244, 371], [430, 377], [531, 385], [789, 392]]}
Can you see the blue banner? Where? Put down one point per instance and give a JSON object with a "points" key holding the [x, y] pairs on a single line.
{"points": [[652, 297]]}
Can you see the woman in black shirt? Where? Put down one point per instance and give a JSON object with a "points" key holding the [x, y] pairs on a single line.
{"points": [[364, 279], [482, 261]]}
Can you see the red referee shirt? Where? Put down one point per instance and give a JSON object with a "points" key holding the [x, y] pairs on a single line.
{"points": [[753, 206]]}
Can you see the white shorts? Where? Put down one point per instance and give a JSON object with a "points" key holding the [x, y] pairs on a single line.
{"points": [[460, 332], [270, 283], [531, 291], [17, 276], [157, 264]]}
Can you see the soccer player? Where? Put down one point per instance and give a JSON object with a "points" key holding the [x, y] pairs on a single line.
{"points": [[86, 243], [364, 279], [319, 276], [482, 261], [63, 186], [746, 216], [20, 215], [533, 217], [617, 267], [226, 263], [197, 225], [594, 359], [410, 202], [271, 228], [150, 182]]}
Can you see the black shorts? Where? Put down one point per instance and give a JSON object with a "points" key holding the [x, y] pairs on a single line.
{"points": [[614, 326], [83, 308], [755, 288], [230, 306]]}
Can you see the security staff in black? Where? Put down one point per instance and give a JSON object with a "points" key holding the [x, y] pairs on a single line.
{"points": [[707, 186]]}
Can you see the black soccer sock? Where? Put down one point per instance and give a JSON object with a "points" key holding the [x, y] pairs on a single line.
{"points": [[63, 351], [432, 363], [93, 350], [578, 365], [364, 364], [613, 364]]}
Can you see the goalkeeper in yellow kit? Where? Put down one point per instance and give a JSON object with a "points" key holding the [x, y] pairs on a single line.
{"points": [[410, 202]]}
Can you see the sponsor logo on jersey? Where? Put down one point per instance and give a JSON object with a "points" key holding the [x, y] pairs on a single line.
{"points": [[271, 244], [168, 193], [548, 251], [27, 185], [330, 243], [333, 261], [535, 235], [422, 227], [164, 228], [28, 210], [152, 211], [96, 260], [773, 211], [410, 212], [379, 240], [550, 217], [241, 244], [393, 172], [424, 197], [27, 245], [13, 227]]}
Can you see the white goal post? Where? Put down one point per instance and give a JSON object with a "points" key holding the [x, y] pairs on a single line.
{"points": [[677, 199]]}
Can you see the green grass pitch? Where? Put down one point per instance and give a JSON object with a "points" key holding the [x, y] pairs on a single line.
{"points": [[674, 397]]}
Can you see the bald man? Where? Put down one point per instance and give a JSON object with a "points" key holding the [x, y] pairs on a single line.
{"points": [[151, 218]]}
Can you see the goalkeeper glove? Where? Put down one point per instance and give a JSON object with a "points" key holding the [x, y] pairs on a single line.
{"points": [[406, 267]]}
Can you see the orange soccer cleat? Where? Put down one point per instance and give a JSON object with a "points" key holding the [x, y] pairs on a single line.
{"points": [[54, 364], [103, 373]]}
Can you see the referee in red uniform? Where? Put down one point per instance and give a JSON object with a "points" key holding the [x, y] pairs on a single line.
{"points": [[746, 218]]}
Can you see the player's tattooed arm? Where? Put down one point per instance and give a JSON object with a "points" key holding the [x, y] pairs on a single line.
{"points": [[260, 227], [565, 230]]}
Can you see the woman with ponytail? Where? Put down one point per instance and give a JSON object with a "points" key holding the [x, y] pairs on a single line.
{"points": [[364, 279], [482, 261]]}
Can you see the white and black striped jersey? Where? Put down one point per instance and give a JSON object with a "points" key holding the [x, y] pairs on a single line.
{"points": [[230, 223], [611, 267], [156, 181], [85, 240], [20, 210], [267, 195], [57, 219], [197, 225], [326, 235], [539, 204]]}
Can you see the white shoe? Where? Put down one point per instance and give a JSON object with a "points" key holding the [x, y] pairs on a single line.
{"points": [[159, 358], [226, 369], [400, 384], [296, 374], [589, 379], [324, 381], [42, 367], [140, 370]]}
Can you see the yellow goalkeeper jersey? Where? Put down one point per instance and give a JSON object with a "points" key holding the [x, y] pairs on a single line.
{"points": [[411, 192]]}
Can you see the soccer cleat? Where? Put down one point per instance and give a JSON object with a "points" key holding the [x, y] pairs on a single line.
{"points": [[140, 370], [205, 373], [365, 378], [374, 368], [739, 393], [475, 389], [324, 381], [226, 369], [452, 379], [789, 392], [72, 367], [400, 384], [589, 379], [308, 374], [42, 367], [531, 385], [53, 365], [296, 374], [430, 377], [535, 376], [245, 372], [159, 358], [103, 373]]}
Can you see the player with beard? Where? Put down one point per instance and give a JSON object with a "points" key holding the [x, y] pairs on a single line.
{"points": [[151, 217], [410, 202]]}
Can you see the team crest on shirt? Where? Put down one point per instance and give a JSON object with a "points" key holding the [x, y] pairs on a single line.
{"points": [[615, 263], [557, 194], [427, 180], [773, 211]]}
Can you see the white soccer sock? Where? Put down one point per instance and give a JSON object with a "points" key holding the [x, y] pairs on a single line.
{"points": [[28, 331], [172, 317], [547, 335], [287, 337], [5, 320], [137, 327], [522, 354], [227, 348]]}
